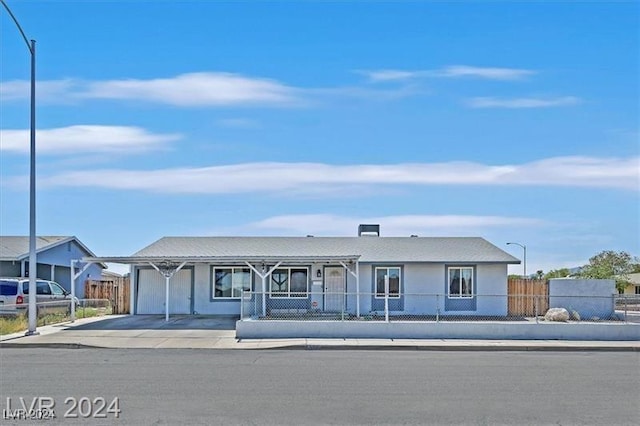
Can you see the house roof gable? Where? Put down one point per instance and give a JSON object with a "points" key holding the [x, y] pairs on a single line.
{"points": [[16, 248]]}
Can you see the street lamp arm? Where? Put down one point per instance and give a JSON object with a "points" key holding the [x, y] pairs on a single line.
{"points": [[24, 36], [524, 248], [518, 244]]}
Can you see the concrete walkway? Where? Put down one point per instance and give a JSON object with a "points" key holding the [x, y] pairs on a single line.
{"points": [[202, 332]]}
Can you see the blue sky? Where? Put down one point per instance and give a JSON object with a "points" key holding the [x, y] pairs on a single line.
{"points": [[514, 121]]}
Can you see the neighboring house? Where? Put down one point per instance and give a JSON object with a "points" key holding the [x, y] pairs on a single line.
{"points": [[54, 255], [323, 274], [109, 275], [633, 287]]}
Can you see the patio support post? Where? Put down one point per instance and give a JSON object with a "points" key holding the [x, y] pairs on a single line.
{"points": [[132, 286], [74, 277], [264, 283], [357, 289], [356, 274], [166, 297], [386, 298], [167, 272], [264, 295], [73, 291]]}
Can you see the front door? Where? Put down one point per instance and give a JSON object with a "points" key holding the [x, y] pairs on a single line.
{"points": [[334, 289]]}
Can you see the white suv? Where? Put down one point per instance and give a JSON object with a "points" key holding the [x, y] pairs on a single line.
{"points": [[50, 296]]}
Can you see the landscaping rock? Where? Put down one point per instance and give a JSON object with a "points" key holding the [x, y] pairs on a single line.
{"points": [[557, 314]]}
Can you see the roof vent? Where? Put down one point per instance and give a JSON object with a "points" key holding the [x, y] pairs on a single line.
{"points": [[368, 230]]}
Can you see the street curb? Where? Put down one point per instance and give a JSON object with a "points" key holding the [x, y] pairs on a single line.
{"points": [[459, 348], [50, 345], [453, 348]]}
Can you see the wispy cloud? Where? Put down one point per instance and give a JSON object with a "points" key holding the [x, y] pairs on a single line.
{"points": [[197, 89], [491, 73], [390, 75], [402, 225], [490, 102], [452, 71], [85, 139], [316, 178], [222, 89], [185, 90], [50, 90]]}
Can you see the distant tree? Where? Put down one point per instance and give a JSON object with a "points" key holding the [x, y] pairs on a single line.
{"points": [[514, 276], [539, 274], [557, 273], [610, 264]]}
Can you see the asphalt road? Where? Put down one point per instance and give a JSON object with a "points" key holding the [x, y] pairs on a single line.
{"points": [[183, 387]]}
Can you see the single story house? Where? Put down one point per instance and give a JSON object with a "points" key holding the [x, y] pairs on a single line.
{"points": [[633, 286], [53, 254], [357, 275]]}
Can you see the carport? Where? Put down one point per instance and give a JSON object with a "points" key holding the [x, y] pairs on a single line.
{"points": [[261, 266]]}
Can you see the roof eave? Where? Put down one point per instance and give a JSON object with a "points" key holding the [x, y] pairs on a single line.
{"points": [[136, 260]]}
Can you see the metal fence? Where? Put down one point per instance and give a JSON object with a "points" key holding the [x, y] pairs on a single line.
{"points": [[438, 307]]}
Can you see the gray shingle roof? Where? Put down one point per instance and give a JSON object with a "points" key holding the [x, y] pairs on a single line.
{"points": [[369, 248], [17, 247]]}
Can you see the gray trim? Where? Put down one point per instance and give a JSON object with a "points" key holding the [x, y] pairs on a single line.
{"points": [[220, 260]]}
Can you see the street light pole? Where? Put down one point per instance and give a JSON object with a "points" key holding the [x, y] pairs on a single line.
{"points": [[33, 265], [525, 256]]}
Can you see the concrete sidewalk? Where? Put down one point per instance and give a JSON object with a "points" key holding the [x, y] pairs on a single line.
{"points": [[125, 332]]}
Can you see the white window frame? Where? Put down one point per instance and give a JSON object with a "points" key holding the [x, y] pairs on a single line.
{"points": [[247, 294], [460, 295], [288, 293], [375, 278]]}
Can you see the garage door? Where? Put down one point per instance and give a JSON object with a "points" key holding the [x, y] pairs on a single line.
{"points": [[151, 292]]}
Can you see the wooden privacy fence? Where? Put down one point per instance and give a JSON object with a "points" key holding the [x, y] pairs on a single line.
{"points": [[527, 297], [116, 290]]}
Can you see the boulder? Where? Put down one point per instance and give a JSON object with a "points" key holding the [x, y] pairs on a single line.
{"points": [[557, 314]]}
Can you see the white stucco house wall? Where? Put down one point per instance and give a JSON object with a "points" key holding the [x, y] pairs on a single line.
{"points": [[215, 275]]}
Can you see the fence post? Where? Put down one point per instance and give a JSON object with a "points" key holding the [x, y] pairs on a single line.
{"points": [[535, 307], [242, 305], [625, 308], [342, 307], [437, 308], [255, 304]]}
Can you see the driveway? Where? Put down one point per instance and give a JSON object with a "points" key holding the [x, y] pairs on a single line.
{"points": [[157, 322], [136, 331]]}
